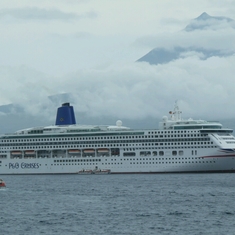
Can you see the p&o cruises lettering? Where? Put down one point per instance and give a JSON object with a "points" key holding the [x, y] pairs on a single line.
{"points": [[23, 165], [14, 165]]}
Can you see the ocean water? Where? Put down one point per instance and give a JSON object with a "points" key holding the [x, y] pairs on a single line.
{"points": [[118, 204]]}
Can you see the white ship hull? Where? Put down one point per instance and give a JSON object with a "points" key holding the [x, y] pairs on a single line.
{"points": [[137, 164], [178, 146]]}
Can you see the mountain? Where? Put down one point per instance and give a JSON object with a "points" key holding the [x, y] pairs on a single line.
{"points": [[14, 117], [162, 55], [204, 22]]}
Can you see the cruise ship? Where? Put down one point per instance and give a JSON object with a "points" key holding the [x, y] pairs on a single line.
{"points": [[176, 146]]}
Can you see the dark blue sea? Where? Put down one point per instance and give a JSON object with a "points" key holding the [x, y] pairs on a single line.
{"points": [[118, 204]]}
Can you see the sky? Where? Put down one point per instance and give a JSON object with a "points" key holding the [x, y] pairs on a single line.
{"points": [[88, 48]]}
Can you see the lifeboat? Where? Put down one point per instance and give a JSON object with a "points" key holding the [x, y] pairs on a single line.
{"points": [[74, 151], [103, 150], [89, 151], [2, 183], [16, 153]]}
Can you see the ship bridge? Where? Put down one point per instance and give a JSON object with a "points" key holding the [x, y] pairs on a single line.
{"points": [[224, 140]]}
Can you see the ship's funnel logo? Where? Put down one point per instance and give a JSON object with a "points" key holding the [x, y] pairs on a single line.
{"points": [[65, 115]]}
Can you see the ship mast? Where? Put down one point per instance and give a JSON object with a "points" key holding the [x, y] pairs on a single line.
{"points": [[176, 114]]}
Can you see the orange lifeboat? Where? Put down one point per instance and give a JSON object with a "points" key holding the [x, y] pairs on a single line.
{"points": [[2, 183], [89, 150], [103, 150]]}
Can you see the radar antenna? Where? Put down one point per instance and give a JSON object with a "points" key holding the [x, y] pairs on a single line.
{"points": [[176, 114]]}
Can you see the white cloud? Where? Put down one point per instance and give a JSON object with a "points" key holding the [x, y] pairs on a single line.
{"points": [[210, 39], [140, 90], [133, 91], [93, 58]]}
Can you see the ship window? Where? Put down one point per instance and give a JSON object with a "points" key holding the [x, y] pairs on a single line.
{"points": [[181, 153], [129, 154], [155, 153], [145, 153]]}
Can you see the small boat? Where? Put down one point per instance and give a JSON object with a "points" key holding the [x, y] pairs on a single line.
{"points": [[86, 172], [102, 172], [2, 183]]}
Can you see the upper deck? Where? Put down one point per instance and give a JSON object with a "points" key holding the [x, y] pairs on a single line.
{"points": [[174, 122]]}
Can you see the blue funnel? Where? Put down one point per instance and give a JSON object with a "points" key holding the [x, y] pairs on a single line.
{"points": [[65, 115]]}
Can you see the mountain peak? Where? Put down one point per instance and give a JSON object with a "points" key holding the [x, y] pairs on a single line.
{"points": [[205, 21], [203, 16]]}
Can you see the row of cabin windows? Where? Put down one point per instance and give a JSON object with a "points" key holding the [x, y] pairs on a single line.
{"points": [[171, 132], [156, 159], [182, 145], [84, 160], [124, 159], [96, 144], [154, 153], [146, 154], [173, 162], [79, 160], [97, 138], [141, 163]]}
